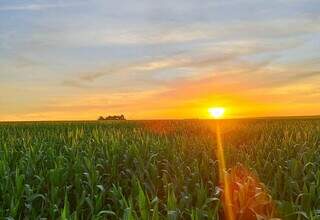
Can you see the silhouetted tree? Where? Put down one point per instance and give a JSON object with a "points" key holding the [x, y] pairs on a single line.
{"points": [[112, 117], [101, 118]]}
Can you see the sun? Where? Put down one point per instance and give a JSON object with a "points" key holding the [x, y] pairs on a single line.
{"points": [[216, 112]]}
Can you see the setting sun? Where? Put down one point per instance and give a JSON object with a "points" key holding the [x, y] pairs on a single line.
{"points": [[216, 112]]}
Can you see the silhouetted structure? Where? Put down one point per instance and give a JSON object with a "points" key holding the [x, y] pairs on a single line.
{"points": [[112, 117]]}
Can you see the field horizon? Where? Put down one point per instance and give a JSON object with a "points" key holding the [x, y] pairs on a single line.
{"points": [[161, 169], [317, 116]]}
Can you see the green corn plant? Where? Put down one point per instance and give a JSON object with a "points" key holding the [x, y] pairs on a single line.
{"points": [[153, 169]]}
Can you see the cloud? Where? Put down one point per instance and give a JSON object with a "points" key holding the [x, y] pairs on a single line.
{"points": [[170, 56], [111, 33], [73, 83], [228, 79], [34, 7], [194, 63]]}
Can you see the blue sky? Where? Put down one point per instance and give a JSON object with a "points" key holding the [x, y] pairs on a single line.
{"points": [[151, 59]]}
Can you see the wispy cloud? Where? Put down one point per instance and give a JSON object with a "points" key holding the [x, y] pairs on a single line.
{"points": [[35, 7], [107, 33], [156, 60], [209, 58]]}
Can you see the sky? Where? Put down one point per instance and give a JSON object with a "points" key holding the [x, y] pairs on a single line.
{"points": [[76, 60]]}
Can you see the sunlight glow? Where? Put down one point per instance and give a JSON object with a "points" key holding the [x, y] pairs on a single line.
{"points": [[216, 112], [223, 176]]}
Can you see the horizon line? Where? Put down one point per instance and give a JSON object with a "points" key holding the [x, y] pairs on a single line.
{"points": [[174, 119]]}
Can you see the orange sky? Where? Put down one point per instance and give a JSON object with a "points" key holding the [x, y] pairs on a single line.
{"points": [[76, 61]]}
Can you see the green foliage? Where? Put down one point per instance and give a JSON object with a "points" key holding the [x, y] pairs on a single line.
{"points": [[152, 170]]}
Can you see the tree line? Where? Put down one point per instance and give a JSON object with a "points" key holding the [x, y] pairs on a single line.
{"points": [[112, 117]]}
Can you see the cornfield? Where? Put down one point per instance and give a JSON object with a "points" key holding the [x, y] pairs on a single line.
{"points": [[159, 169]]}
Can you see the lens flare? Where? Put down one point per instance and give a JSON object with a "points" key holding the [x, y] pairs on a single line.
{"points": [[244, 196], [223, 176]]}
